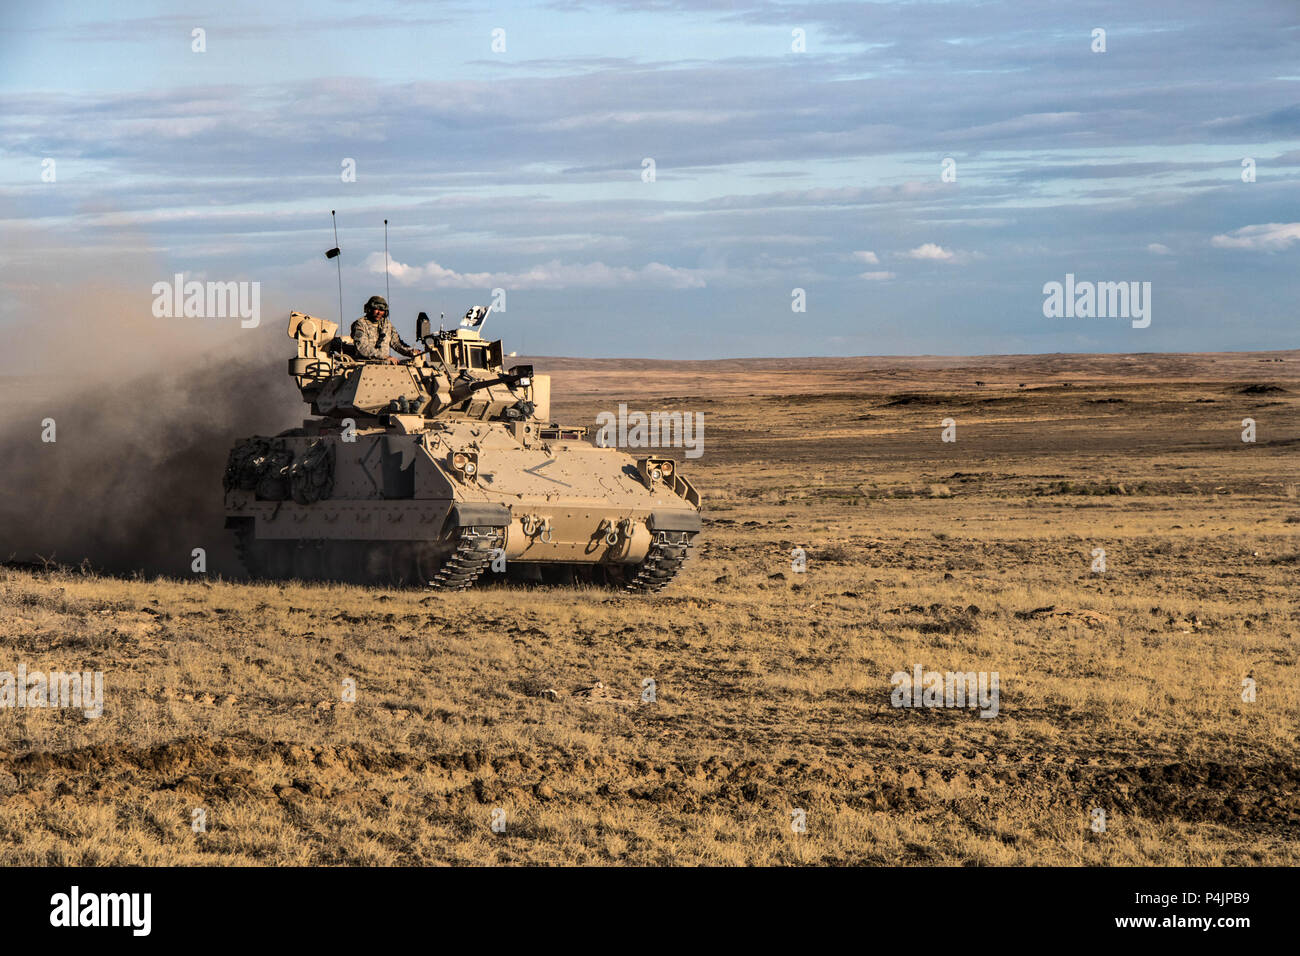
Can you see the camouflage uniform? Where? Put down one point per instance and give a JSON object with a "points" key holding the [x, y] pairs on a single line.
{"points": [[374, 336]]}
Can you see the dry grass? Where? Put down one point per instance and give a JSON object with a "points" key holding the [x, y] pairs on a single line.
{"points": [[772, 686]]}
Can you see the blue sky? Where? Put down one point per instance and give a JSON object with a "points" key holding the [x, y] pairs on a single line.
{"points": [[776, 169]]}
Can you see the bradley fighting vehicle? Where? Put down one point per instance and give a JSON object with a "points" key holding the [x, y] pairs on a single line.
{"points": [[435, 471]]}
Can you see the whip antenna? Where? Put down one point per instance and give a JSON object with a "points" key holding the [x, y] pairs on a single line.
{"points": [[334, 254], [387, 292]]}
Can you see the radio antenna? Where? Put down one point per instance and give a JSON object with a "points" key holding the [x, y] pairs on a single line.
{"points": [[334, 254], [387, 292]]}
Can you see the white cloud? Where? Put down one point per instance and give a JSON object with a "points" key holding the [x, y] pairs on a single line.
{"points": [[930, 250], [547, 275], [867, 256], [1160, 249], [876, 276], [1268, 237]]}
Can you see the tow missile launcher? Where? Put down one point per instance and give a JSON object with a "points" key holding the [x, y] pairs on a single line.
{"points": [[433, 471]]}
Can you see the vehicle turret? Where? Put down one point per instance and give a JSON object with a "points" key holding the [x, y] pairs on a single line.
{"points": [[458, 375]]}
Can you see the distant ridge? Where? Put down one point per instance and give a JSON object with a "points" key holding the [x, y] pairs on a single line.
{"points": [[627, 377], [1059, 360]]}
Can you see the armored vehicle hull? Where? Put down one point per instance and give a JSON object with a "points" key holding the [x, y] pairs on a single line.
{"points": [[440, 474]]}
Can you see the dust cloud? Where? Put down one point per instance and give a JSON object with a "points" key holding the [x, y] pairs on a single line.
{"points": [[145, 411]]}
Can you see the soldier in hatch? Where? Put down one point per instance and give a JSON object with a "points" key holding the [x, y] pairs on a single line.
{"points": [[373, 335]]}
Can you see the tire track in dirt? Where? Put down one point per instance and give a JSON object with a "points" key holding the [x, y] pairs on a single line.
{"points": [[1266, 793]]}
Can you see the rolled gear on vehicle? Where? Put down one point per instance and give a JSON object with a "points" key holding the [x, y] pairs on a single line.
{"points": [[260, 465], [245, 464], [311, 476], [273, 482]]}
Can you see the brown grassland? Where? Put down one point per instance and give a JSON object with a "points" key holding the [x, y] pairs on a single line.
{"points": [[1120, 690]]}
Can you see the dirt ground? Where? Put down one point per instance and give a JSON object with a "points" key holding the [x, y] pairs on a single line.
{"points": [[771, 738]]}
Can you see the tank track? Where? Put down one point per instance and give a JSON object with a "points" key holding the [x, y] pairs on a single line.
{"points": [[263, 561], [470, 559], [284, 560], [661, 563], [244, 550]]}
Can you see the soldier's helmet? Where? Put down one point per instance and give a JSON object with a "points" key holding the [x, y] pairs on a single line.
{"points": [[376, 302]]}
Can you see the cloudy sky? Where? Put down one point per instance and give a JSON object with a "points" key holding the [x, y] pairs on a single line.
{"points": [[795, 145]]}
